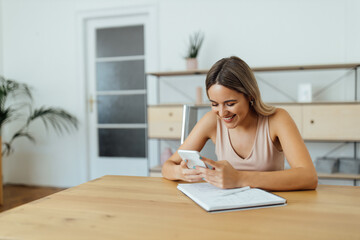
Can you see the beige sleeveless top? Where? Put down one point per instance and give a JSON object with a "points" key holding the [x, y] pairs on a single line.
{"points": [[263, 156]]}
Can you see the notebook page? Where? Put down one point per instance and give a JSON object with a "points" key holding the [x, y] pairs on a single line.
{"points": [[213, 198]]}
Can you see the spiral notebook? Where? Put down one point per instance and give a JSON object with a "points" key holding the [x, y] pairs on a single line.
{"points": [[213, 199]]}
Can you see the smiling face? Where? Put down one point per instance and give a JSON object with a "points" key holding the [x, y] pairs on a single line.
{"points": [[229, 105]]}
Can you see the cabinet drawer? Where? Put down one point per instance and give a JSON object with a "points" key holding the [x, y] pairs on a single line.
{"points": [[331, 122], [165, 122], [165, 114], [164, 130]]}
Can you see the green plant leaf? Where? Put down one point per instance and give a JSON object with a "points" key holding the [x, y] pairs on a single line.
{"points": [[23, 134], [195, 42], [21, 95], [58, 118], [7, 149]]}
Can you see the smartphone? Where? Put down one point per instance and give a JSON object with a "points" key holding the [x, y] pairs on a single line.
{"points": [[192, 157]]}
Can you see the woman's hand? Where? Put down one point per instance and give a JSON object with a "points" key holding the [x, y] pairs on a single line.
{"points": [[189, 175], [223, 175]]}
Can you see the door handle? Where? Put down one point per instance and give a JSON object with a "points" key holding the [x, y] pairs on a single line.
{"points": [[91, 103]]}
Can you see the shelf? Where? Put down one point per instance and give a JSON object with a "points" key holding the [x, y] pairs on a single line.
{"points": [[156, 171], [260, 69], [338, 176], [306, 67], [178, 73], [270, 103]]}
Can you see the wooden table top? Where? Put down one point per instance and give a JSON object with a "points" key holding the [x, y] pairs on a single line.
{"points": [[123, 207]]}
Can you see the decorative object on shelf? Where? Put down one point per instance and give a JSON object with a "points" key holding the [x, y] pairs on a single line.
{"points": [[165, 155], [20, 110], [199, 99], [195, 43], [327, 165], [304, 92], [349, 165]]}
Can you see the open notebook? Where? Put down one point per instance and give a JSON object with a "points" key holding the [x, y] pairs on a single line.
{"points": [[212, 198]]}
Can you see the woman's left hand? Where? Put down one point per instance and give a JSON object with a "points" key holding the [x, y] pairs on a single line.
{"points": [[223, 174]]}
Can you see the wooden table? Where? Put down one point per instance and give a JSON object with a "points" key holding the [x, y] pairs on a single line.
{"points": [[120, 207]]}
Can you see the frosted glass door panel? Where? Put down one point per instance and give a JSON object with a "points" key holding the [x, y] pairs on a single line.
{"points": [[122, 143], [115, 69], [121, 109], [124, 75], [121, 41]]}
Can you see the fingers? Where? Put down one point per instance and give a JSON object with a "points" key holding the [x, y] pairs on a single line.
{"points": [[210, 162], [193, 178], [215, 183], [189, 175], [206, 172], [183, 164], [208, 175], [215, 176]]}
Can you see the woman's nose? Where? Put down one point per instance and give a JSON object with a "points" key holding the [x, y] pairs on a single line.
{"points": [[222, 112]]}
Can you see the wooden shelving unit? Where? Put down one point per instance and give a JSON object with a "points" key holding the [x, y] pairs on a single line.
{"points": [[296, 109]]}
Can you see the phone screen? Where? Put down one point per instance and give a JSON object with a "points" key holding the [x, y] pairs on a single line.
{"points": [[192, 157]]}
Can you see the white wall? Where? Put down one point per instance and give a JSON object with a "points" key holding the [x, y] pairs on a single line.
{"points": [[40, 48], [1, 39]]}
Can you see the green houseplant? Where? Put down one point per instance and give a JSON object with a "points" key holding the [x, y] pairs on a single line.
{"points": [[195, 42], [20, 110]]}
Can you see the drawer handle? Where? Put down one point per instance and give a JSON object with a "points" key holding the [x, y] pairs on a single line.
{"points": [[170, 114], [312, 121], [171, 129]]}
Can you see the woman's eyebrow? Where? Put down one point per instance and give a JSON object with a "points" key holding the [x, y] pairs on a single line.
{"points": [[230, 100]]}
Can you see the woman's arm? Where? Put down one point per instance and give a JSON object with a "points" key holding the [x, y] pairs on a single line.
{"points": [[174, 168], [302, 174]]}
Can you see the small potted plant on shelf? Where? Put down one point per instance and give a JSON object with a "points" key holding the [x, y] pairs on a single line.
{"points": [[20, 110], [195, 43]]}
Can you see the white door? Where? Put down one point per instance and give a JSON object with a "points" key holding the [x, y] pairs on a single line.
{"points": [[115, 59]]}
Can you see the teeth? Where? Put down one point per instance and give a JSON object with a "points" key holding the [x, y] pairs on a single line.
{"points": [[229, 117]]}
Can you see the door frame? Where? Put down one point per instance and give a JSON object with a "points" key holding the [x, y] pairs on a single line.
{"points": [[151, 64]]}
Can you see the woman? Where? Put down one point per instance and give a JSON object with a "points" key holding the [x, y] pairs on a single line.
{"points": [[251, 138]]}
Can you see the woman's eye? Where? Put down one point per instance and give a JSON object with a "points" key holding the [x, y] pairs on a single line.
{"points": [[230, 104], [214, 105]]}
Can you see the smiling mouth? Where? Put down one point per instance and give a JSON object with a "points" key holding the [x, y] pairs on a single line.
{"points": [[229, 118]]}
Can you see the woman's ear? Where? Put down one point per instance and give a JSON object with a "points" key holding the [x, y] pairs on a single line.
{"points": [[251, 101]]}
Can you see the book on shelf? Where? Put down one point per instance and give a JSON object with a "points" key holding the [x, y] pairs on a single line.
{"points": [[214, 199]]}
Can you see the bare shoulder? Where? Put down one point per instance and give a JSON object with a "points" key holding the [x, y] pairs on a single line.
{"points": [[281, 120], [208, 124], [210, 118], [279, 115]]}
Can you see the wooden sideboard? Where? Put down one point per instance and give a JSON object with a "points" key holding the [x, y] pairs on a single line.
{"points": [[315, 121]]}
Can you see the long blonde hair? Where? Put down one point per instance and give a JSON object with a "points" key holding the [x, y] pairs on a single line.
{"points": [[235, 74]]}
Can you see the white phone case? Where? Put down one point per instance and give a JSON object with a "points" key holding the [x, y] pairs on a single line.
{"points": [[192, 157]]}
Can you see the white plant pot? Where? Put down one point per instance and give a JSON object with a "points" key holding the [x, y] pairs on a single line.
{"points": [[191, 63]]}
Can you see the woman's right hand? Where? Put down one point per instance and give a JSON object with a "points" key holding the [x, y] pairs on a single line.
{"points": [[189, 175]]}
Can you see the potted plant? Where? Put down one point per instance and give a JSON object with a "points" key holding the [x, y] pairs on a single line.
{"points": [[20, 110], [195, 43]]}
